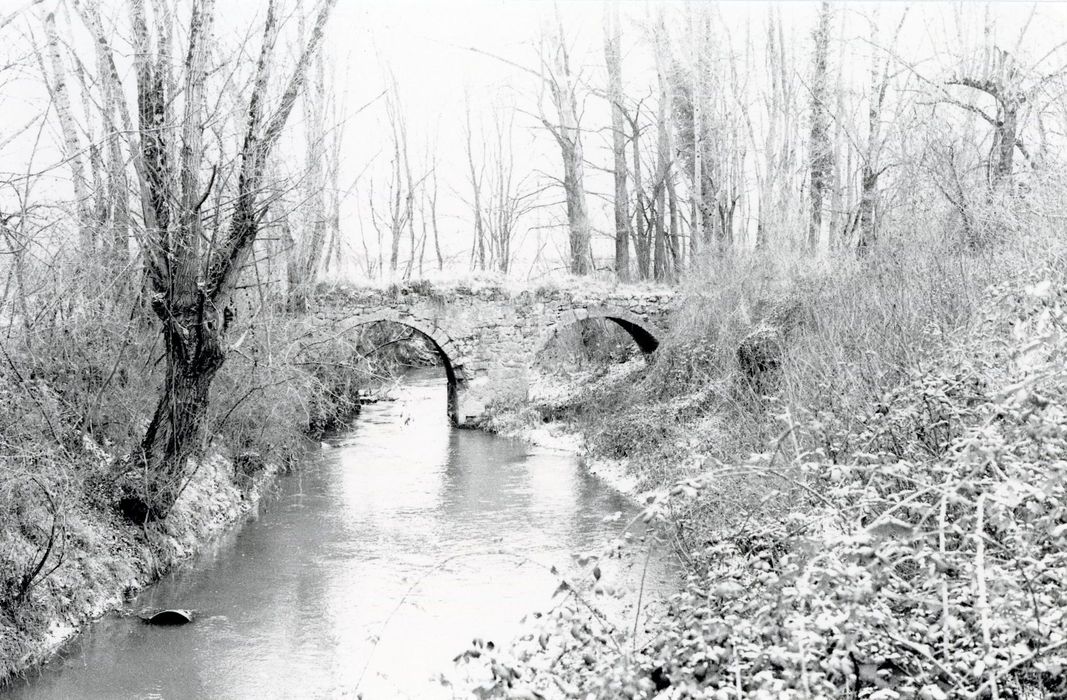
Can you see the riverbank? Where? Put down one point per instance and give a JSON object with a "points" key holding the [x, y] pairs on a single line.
{"points": [[105, 561], [553, 416], [560, 437], [857, 470], [73, 406]]}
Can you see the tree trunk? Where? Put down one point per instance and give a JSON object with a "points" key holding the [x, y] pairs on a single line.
{"points": [[116, 120], [879, 85], [868, 207], [562, 84], [313, 232], [641, 242], [433, 216], [612, 41], [820, 149], [478, 244], [71, 143], [192, 287], [577, 210], [1007, 141], [661, 266], [194, 355], [674, 241], [697, 204]]}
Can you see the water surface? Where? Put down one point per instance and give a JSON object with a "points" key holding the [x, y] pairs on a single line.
{"points": [[366, 573]]}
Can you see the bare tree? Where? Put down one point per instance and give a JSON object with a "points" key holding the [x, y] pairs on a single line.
{"points": [[666, 222], [397, 219], [306, 255], [664, 162], [698, 93], [820, 148], [510, 197], [642, 239], [873, 168], [192, 283], [477, 175], [72, 148], [778, 140], [117, 122], [613, 58], [561, 80], [998, 75], [430, 195]]}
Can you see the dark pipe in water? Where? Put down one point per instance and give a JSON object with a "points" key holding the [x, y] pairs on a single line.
{"points": [[169, 617]]}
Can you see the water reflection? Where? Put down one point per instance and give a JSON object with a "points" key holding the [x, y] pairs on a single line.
{"points": [[391, 526]]}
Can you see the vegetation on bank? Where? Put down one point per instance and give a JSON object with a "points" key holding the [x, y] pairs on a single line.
{"points": [[862, 472], [76, 390]]}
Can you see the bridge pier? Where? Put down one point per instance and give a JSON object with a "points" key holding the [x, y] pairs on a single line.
{"points": [[469, 410], [455, 393], [482, 387]]}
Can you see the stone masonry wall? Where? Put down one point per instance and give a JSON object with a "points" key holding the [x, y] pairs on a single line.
{"points": [[488, 335]]}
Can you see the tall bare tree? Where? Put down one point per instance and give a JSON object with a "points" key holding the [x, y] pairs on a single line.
{"points": [[72, 148], [306, 255], [613, 58], [477, 177], [397, 218], [665, 223], [698, 92], [117, 123], [820, 146], [559, 76], [192, 277], [777, 140], [872, 167]]}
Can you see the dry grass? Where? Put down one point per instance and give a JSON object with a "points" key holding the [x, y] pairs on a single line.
{"points": [[847, 330]]}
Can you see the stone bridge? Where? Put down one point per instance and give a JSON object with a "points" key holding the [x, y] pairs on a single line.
{"points": [[488, 337]]}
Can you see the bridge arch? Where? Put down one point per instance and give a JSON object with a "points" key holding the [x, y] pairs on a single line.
{"points": [[447, 349], [644, 333]]}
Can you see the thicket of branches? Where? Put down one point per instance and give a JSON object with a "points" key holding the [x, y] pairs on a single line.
{"points": [[702, 130]]}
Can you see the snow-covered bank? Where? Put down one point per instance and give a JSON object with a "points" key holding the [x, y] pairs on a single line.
{"points": [[107, 561], [557, 391], [555, 436]]}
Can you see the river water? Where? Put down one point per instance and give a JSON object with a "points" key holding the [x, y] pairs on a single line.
{"points": [[343, 585]]}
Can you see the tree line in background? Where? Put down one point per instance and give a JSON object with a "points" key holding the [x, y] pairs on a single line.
{"points": [[752, 136], [834, 150], [729, 137]]}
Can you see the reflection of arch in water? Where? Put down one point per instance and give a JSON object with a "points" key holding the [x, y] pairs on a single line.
{"points": [[642, 332], [444, 345]]}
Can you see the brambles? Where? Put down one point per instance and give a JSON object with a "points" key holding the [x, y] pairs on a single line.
{"points": [[901, 535]]}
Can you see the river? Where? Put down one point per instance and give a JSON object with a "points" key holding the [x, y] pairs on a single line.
{"points": [[339, 586]]}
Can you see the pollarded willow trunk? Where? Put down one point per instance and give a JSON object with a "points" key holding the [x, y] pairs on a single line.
{"points": [[193, 278], [194, 354]]}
